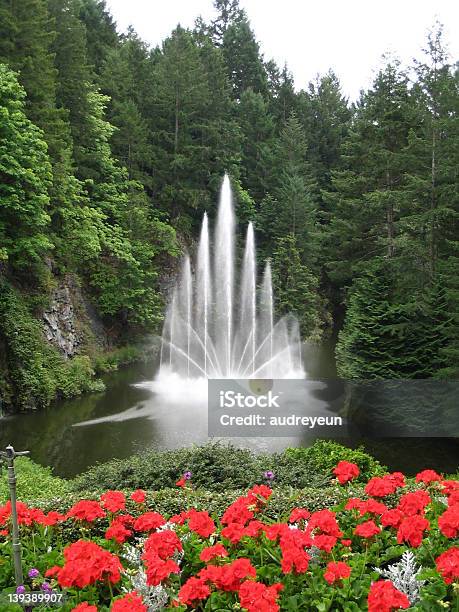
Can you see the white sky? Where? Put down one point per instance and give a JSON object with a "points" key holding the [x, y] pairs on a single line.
{"points": [[312, 36]]}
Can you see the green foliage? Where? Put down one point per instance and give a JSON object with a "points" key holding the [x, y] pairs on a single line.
{"points": [[294, 286], [35, 372], [218, 467], [33, 482], [25, 175], [325, 454]]}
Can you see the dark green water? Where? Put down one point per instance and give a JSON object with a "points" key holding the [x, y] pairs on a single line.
{"points": [[74, 434]]}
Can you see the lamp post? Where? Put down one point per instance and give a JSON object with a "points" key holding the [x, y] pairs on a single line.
{"points": [[9, 455]]}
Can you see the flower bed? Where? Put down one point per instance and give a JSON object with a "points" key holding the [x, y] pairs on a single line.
{"points": [[393, 547]]}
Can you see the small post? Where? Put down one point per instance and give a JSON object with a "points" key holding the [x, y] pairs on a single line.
{"points": [[9, 455]]}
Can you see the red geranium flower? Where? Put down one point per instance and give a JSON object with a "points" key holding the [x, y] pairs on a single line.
{"points": [[85, 563], [346, 542], [367, 529], [201, 523], [117, 531], [413, 503], [299, 514], [391, 518], [448, 564], [193, 590], [336, 571], [149, 521], [346, 471], [260, 491], [139, 496], [325, 542], [427, 476], [257, 597], [86, 510], [228, 577], [384, 597], [113, 501], [325, 521], [448, 522], [211, 552], [380, 486], [163, 543], [158, 569], [181, 483], [412, 529], [85, 607], [129, 603]]}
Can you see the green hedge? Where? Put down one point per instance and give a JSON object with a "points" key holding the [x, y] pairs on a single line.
{"points": [[33, 482], [219, 467]]}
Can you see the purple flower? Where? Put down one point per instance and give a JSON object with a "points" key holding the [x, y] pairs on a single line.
{"points": [[269, 475], [187, 475], [21, 589], [33, 573], [46, 587]]}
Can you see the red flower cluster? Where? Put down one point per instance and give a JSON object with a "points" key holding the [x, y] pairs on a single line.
{"points": [[159, 548], [428, 476], [200, 523], [335, 572], [212, 552], [113, 501], [448, 565], [118, 530], [384, 597], [193, 590], [139, 496], [411, 530], [448, 522], [414, 503], [325, 529], [367, 529], [86, 510], [85, 563], [149, 521], [257, 597], [85, 607], [129, 603], [380, 486], [369, 506], [299, 514], [346, 471], [228, 577]]}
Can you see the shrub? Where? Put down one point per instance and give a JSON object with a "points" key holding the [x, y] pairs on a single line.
{"points": [[323, 455], [33, 482], [220, 467]]}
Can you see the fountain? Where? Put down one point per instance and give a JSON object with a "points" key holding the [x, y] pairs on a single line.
{"points": [[220, 324]]}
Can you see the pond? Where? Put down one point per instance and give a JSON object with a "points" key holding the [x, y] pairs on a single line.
{"points": [[74, 434]]}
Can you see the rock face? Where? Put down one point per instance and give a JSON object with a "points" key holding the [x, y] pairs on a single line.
{"points": [[59, 322]]}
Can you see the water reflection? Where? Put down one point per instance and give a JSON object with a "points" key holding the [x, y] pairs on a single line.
{"points": [[128, 417]]}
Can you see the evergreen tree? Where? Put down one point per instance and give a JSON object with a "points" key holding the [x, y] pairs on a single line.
{"points": [[25, 176], [100, 31], [243, 59], [294, 286], [229, 13], [257, 127], [290, 209]]}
